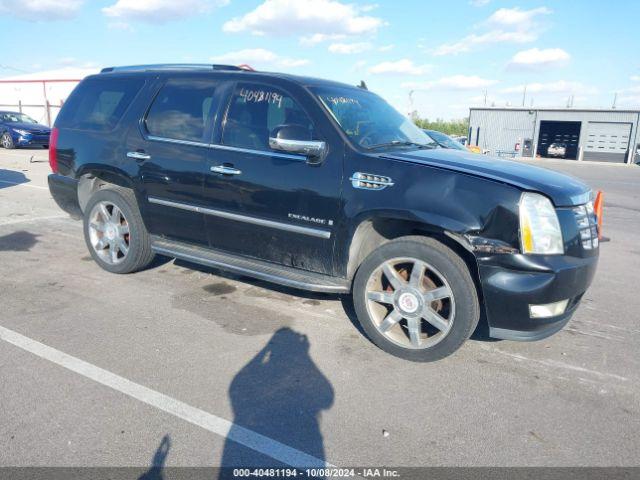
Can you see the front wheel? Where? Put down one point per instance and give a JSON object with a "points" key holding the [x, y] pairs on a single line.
{"points": [[115, 233], [7, 141], [415, 299]]}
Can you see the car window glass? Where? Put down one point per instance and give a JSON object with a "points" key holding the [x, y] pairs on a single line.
{"points": [[257, 112], [99, 103], [181, 109]]}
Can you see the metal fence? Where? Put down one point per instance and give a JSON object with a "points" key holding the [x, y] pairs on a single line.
{"points": [[45, 114]]}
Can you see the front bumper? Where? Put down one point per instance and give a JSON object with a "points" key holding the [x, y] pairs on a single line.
{"points": [[510, 283], [31, 140], [64, 191]]}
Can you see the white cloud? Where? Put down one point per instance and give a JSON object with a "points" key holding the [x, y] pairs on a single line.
{"points": [[479, 3], [399, 67], [537, 58], [159, 10], [258, 58], [41, 10], [349, 48], [386, 48], [454, 82], [316, 20], [494, 36], [635, 78], [559, 86], [515, 16], [508, 26]]}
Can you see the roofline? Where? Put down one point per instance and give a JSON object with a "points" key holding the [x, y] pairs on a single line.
{"points": [[551, 109], [176, 66]]}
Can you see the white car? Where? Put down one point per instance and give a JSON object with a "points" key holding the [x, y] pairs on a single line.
{"points": [[557, 150]]}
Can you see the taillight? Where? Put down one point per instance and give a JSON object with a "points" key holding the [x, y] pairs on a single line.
{"points": [[53, 153]]}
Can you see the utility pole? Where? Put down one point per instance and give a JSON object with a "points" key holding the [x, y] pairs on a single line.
{"points": [[615, 100], [524, 95]]}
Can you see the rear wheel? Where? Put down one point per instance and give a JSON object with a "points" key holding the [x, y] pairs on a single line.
{"points": [[7, 141], [115, 233], [415, 299]]}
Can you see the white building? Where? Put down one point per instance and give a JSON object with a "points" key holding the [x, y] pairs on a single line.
{"points": [[596, 135], [40, 95]]}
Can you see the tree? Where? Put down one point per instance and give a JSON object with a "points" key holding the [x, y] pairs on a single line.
{"points": [[450, 127]]}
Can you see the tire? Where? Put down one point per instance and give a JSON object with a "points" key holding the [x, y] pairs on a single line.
{"points": [[7, 141], [46, 147], [125, 231], [446, 288]]}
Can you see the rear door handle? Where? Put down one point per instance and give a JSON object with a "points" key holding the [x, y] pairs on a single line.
{"points": [[139, 156], [225, 170]]}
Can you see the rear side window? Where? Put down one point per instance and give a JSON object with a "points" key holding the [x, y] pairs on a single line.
{"points": [[181, 109], [257, 112], [98, 103]]}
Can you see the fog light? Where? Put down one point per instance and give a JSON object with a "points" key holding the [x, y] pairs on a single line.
{"points": [[548, 310]]}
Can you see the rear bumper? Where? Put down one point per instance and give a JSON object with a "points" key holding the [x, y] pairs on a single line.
{"points": [[510, 283], [64, 191]]}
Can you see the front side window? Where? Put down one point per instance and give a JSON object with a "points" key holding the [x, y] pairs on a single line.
{"points": [[257, 112], [181, 109], [369, 121]]}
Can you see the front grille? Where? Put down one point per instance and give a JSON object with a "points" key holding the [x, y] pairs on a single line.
{"points": [[587, 226]]}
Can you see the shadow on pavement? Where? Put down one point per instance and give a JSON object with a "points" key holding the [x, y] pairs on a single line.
{"points": [[155, 471], [21, 241], [280, 393], [10, 178]]}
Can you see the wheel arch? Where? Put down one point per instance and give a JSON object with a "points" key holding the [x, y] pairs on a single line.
{"points": [[94, 178], [375, 229]]}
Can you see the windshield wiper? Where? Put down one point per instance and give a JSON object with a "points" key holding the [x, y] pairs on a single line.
{"points": [[402, 144]]}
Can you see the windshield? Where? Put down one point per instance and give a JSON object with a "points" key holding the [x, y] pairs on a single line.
{"points": [[445, 140], [16, 118], [369, 121]]}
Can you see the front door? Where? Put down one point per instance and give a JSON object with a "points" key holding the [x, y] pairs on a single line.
{"points": [[268, 204], [171, 148]]}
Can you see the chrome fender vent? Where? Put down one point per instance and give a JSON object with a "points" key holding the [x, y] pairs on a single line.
{"points": [[369, 181]]}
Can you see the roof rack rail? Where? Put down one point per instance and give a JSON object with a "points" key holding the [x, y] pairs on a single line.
{"points": [[173, 66]]}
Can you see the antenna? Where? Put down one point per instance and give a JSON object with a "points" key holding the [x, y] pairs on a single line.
{"points": [[615, 100], [524, 95]]}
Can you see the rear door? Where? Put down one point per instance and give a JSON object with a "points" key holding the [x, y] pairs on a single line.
{"points": [[268, 204], [171, 147]]}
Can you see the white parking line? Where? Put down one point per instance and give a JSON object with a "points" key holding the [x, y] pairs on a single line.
{"points": [[30, 220], [23, 185], [212, 423]]}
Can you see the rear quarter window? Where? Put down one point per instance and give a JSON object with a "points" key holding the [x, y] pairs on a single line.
{"points": [[99, 103]]}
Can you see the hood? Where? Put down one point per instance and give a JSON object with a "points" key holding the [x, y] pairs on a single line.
{"points": [[563, 190], [29, 127]]}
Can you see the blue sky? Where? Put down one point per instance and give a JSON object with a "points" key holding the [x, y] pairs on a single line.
{"points": [[447, 53]]}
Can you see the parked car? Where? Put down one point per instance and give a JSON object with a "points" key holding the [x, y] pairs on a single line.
{"points": [[321, 186], [445, 141], [557, 150], [20, 130]]}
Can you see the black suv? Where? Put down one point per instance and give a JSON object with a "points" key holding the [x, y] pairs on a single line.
{"points": [[322, 186]]}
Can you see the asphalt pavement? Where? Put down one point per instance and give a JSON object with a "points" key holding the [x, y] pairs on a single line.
{"points": [[184, 366]]}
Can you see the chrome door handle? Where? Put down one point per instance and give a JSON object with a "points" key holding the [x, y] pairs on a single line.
{"points": [[138, 155], [226, 170]]}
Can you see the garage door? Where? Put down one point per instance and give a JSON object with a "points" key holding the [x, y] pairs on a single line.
{"points": [[607, 142]]}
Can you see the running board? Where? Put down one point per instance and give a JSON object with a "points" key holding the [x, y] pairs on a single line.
{"points": [[270, 272]]}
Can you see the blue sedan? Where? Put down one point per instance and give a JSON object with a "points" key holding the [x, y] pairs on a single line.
{"points": [[20, 130]]}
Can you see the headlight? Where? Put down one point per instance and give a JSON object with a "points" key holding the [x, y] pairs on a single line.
{"points": [[539, 226], [21, 132]]}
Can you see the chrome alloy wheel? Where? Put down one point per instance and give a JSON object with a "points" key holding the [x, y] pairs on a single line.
{"points": [[6, 141], [109, 233], [410, 303]]}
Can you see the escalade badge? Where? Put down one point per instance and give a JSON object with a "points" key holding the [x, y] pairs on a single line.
{"points": [[305, 218]]}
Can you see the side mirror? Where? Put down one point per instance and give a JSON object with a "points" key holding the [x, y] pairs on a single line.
{"points": [[289, 138]]}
